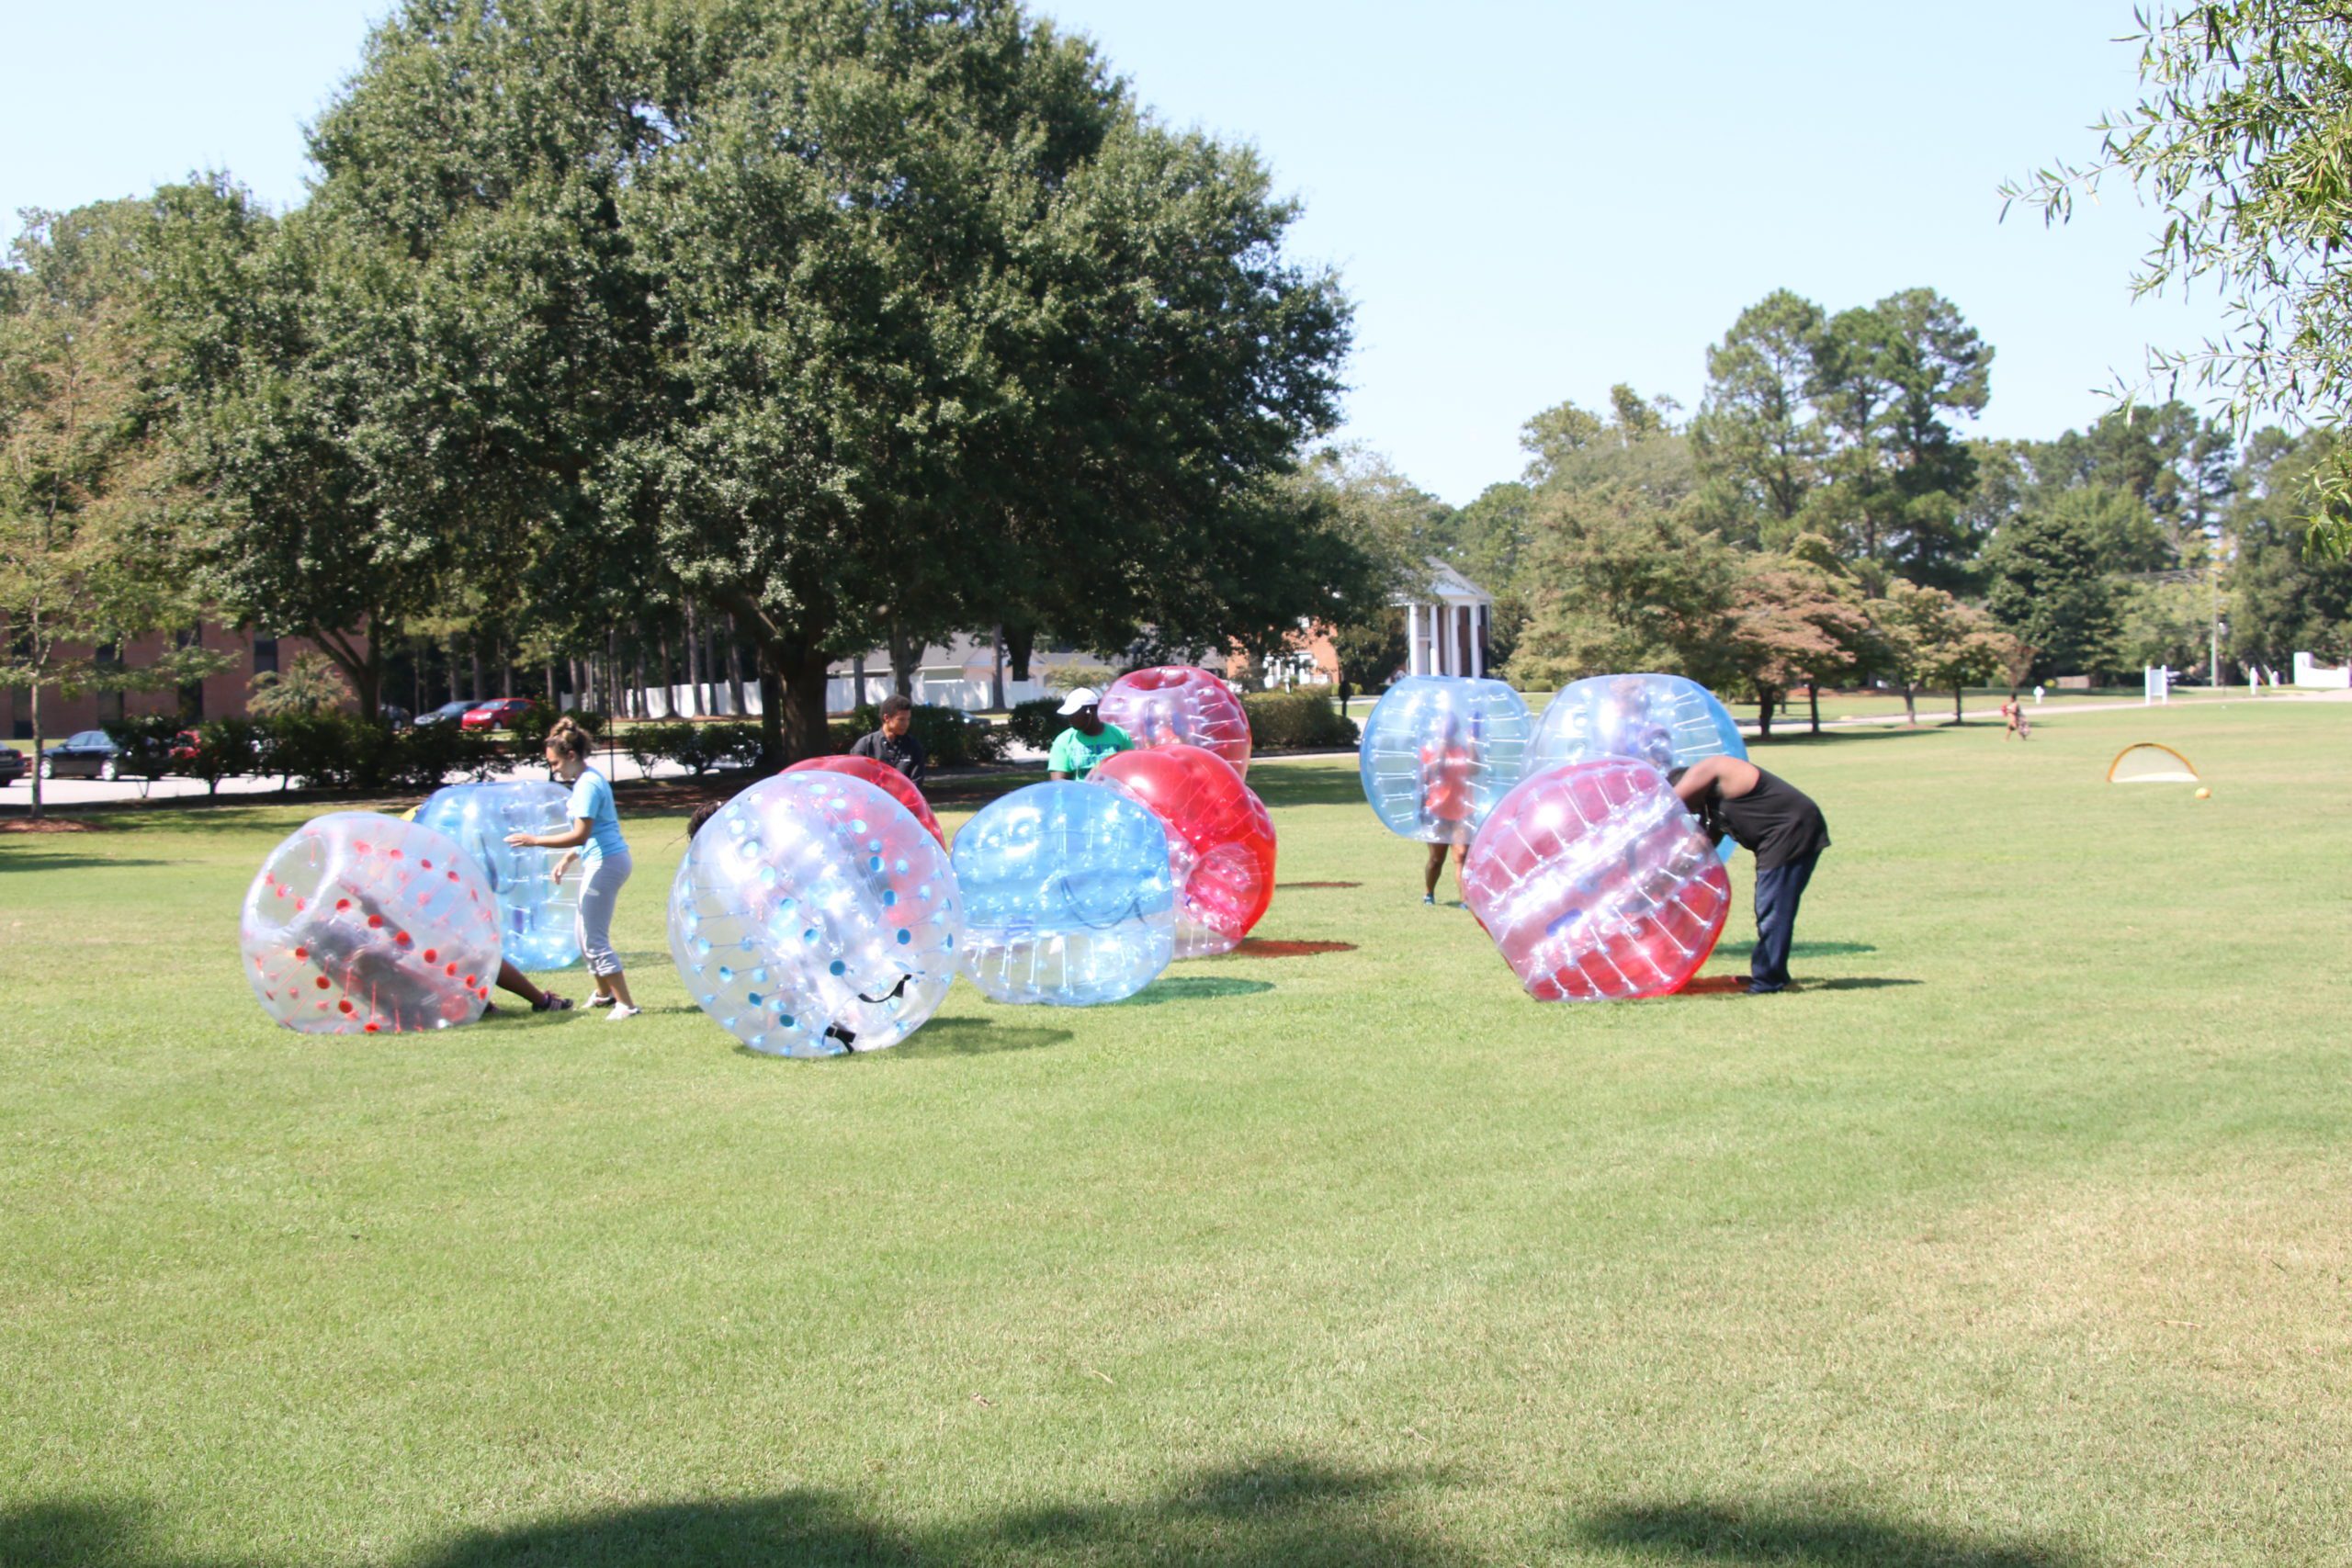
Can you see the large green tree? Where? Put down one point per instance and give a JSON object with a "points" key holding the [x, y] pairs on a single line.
{"points": [[847, 316], [1757, 434], [91, 524], [2049, 587]]}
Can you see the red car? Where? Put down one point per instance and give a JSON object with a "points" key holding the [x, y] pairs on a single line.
{"points": [[498, 714]]}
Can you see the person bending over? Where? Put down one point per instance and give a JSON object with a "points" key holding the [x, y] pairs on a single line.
{"points": [[1777, 823], [1086, 740], [892, 745]]}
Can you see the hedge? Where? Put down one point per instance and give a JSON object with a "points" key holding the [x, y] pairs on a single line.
{"points": [[1036, 722], [1303, 719], [696, 747], [324, 751]]}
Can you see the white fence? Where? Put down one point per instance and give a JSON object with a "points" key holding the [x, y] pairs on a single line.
{"points": [[941, 690], [2311, 673]]}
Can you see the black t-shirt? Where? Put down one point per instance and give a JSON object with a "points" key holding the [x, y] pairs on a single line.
{"points": [[905, 754], [1776, 821]]}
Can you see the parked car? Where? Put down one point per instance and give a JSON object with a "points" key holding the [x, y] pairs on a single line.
{"points": [[185, 745], [499, 713], [450, 713], [90, 754], [13, 765]]}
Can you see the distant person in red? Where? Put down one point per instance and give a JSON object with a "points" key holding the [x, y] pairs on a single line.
{"points": [[1777, 823], [1448, 803]]}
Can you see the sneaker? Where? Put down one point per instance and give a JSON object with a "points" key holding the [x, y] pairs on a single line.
{"points": [[620, 1012], [549, 1002], [602, 999], [1431, 899]]}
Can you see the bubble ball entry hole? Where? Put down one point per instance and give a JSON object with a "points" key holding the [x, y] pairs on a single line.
{"points": [[538, 915], [814, 916], [1069, 896], [365, 924], [883, 777], [1597, 885], [1180, 704], [1665, 720], [1220, 840], [1439, 751]]}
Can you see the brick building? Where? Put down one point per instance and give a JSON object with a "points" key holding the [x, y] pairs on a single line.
{"points": [[217, 695]]}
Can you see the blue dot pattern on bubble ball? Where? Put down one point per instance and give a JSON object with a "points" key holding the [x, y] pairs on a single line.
{"points": [[1067, 895], [839, 960], [539, 916], [1439, 751]]}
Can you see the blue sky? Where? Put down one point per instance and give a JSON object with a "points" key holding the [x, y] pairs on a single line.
{"points": [[1527, 201]]}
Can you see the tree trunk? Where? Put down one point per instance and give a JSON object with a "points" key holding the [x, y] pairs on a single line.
{"points": [[37, 740], [365, 672], [473, 656], [1764, 696], [903, 661], [505, 670], [996, 668], [1957, 716], [1910, 705], [857, 681], [1020, 643], [735, 674], [1813, 701], [694, 661], [637, 657]]}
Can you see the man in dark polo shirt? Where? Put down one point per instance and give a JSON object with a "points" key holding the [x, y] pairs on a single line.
{"points": [[1777, 823], [892, 745]]}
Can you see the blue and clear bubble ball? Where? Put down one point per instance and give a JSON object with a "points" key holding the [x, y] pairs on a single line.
{"points": [[539, 916], [1667, 721], [1439, 751], [796, 936], [1068, 898]]}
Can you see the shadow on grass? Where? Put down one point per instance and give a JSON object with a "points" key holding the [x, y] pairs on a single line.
{"points": [[1263, 1513], [1193, 989], [1796, 949], [969, 1037], [1856, 983], [1869, 729], [13, 859], [1801, 1533]]}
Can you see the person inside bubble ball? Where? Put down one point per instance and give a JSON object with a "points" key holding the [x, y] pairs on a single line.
{"points": [[1447, 803], [595, 839], [1777, 823], [1086, 740]]}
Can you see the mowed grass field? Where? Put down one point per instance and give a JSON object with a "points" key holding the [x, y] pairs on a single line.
{"points": [[2021, 1237]]}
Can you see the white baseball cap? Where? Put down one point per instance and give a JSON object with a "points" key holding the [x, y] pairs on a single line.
{"points": [[1079, 697]]}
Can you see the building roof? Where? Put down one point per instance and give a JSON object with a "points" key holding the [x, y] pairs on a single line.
{"points": [[1446, 586]]}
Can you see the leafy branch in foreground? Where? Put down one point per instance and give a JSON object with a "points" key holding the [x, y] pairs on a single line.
{"points": [[2242, 140]]}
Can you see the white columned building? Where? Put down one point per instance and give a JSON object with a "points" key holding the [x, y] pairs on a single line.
{"points": [[1446, 623]]}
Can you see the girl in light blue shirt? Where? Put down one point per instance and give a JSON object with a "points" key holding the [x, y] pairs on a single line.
{"points": [[594, 839]]}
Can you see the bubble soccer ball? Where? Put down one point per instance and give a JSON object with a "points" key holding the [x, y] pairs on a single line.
{"points": [[1439, 751], [539, 916], [366, 924], [891, 782], [1597, 885], [1180, 704], [1069, 897], [814, 916], [1220, 840], [1664, 720]]}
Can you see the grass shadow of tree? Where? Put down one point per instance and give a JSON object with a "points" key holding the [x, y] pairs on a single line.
{"points": [[1193, 989], [972, 1037], [1270, 1512], [1804, 1533], [1796, 949]]}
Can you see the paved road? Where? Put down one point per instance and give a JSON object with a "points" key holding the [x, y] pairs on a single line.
{"points": [[616, 766]]}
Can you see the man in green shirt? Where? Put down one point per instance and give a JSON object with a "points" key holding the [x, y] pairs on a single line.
{"points": [[1088, 739]]}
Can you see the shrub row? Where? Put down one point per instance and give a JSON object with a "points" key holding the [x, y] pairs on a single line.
{"points": [[1300, 719], [696, 747], [321, 750]]}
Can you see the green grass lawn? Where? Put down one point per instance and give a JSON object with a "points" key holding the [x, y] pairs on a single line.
{"points": [[2017, 1239]]}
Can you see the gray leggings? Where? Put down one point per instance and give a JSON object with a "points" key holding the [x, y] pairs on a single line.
{"points": [[600, 887]]}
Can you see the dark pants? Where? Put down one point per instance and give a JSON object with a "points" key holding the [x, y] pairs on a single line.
{"points": [[1778, 892]]}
